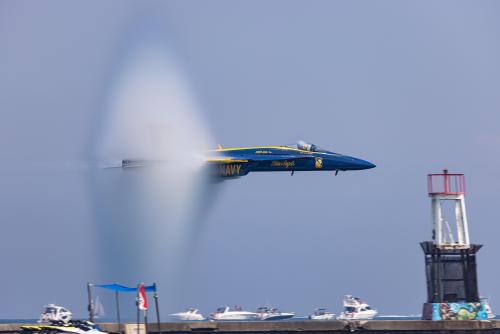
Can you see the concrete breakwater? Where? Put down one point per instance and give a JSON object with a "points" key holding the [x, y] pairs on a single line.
{"points": [[365, 327]]}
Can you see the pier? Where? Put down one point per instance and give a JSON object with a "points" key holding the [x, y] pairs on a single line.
{"points": [[303, 326]]}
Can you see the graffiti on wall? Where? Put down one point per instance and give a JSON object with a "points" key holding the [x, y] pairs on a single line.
{"points": [[459, 311]]}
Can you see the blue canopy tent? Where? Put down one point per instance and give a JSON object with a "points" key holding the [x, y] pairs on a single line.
{"points": [[123, 288], [117, 288]]}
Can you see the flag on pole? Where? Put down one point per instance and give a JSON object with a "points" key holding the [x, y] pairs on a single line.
{"points": [[142, 300]]}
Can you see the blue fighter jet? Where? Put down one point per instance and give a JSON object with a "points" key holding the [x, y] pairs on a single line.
{"points": [[227, 163]]}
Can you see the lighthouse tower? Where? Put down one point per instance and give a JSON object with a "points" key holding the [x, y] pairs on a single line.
{"points": [[450, 258], [444, 188]]}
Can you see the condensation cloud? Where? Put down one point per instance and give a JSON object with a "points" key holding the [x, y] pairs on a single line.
{"points": [[146, 217]]}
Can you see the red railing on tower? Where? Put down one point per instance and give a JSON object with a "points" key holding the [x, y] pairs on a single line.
{"points": [[446, 184]]}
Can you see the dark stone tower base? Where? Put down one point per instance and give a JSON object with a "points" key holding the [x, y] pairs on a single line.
{"points": [[452, 290]]}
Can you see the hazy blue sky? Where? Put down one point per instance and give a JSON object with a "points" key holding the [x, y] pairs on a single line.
{"points": [[412, 86]]}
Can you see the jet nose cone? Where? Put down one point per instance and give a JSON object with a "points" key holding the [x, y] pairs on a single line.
{"points": [[369, 165], [363, 164]]}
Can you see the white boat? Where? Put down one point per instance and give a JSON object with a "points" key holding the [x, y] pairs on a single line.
{"points": [[322, 314], [487, 308], [54, 313], [267, 313], [225, 313], [98, 309], [188, 315], [356, 309]]}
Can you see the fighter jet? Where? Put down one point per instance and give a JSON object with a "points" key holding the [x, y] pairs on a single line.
{"points": [[229, 163]]}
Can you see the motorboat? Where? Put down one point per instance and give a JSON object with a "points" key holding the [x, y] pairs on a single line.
{"points": [[188, 315], [225, 313], [356, 309], [487, 308], [58, 319], [267, 313], [52, 312], [322, 314]]}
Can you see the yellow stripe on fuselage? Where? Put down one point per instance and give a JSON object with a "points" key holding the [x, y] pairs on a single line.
{"points": [[260, 148]]}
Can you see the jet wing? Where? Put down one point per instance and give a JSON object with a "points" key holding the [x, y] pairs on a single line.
{"points": [[226, 160], [137, 163]]}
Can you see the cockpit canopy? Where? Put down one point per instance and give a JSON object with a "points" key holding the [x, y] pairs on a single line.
{"points": [[302, 145]]}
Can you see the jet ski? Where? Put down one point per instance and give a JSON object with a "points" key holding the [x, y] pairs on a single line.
{"points": [[57, 326]]}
